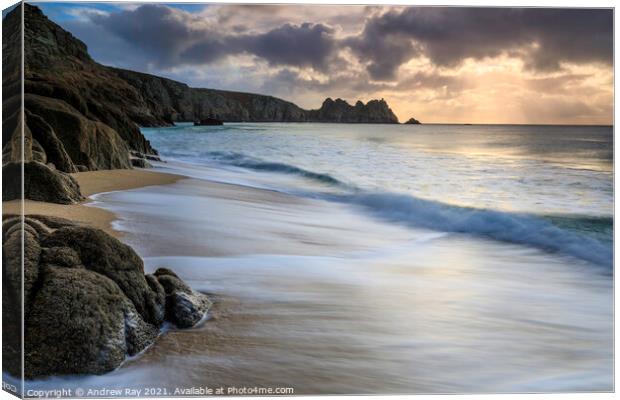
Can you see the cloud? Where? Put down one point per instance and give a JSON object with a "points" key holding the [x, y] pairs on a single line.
{"points": [[108, 49], [561, 84], [263, 17], [174, 37], [304, 45], [543, 38], [279, 46], [558, 109], [390, 37], [155, 30], [86, 13]]}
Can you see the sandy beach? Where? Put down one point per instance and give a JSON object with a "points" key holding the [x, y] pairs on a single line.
{"points": [[91, 183]]}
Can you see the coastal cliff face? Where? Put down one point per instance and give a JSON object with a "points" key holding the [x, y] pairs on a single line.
{"points": [[92, 113], [175, 102], [77, 115]]}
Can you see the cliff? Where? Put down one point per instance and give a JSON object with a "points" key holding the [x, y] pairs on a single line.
{"points": [[80, 115], [58, 66], [175, 101]]}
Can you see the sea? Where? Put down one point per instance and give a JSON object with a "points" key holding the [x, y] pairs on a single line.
{"points": [[379, 259]]}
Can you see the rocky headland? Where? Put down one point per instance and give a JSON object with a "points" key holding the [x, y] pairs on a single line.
{"points": [[174, 101]]}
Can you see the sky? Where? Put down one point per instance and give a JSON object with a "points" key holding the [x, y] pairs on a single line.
{"points": [[437, 64]]}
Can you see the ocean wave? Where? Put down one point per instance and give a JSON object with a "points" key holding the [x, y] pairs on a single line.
{"points": [[585, 237], [243, 161], [520, 229]]}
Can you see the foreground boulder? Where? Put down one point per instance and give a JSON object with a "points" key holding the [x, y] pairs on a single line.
{"points": [[88, 304], [80, 322], [183, 305], [41, 183]]}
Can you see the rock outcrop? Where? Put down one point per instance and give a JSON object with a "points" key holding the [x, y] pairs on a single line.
{"points": [[77, 112], [183, 305], [41, 183], [88, 304], [375, 111], [57, 65], [413, 121], [77, 115]]}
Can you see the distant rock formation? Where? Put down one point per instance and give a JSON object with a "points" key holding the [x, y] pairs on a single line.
{"points": [[412, 121], [375, 111], [88, 305], [175, 101], [83, 116]]}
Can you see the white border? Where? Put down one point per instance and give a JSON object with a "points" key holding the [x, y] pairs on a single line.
{"points": [[476, 3]]}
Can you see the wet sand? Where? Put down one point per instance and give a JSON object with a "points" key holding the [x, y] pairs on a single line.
{"points": [[91, 183]]}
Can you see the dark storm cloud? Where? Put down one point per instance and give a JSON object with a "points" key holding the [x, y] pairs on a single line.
{"points": [[172, 38], [151, 28], [305, 45], [541, 37]]}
